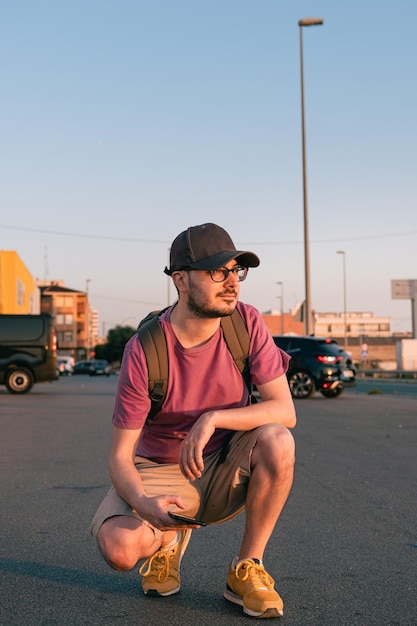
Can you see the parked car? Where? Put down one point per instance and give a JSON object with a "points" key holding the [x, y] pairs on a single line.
{"points": [[27, 351], [65, 365], [92, 367], [317, 364]]}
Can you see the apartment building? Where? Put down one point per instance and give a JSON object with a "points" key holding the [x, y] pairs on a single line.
{"points": [[354, 324], [72, 315]]}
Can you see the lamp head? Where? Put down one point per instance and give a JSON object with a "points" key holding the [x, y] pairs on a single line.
{"points": [[311, 21]]}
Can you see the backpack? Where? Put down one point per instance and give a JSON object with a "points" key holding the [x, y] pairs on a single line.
{"points": [[153, 341]]}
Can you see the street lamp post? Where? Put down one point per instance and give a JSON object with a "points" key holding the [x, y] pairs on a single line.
{"points": [[309, 21], [343, 253], [169, 280], [87, 317], [281, 297]]}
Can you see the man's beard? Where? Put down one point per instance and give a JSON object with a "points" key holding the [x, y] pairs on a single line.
{"points": [[197, 303]]}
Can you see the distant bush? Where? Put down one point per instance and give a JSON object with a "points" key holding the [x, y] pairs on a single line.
{"points": [[113, 349]]}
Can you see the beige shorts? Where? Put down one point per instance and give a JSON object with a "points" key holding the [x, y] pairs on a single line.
{"points": [[217, 496]]}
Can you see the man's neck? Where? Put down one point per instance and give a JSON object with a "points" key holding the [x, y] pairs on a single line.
{"points": [[190, 330]]}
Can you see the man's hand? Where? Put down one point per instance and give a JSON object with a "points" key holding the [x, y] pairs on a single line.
{"points": [[155, 510], [191, 452], [128, 483]]}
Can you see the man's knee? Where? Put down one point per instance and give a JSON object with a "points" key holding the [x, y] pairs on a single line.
{"points": [[276, 443], [123, 545]]}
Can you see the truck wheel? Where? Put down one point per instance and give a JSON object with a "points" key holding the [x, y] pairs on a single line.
{"points": [[19, 380]]}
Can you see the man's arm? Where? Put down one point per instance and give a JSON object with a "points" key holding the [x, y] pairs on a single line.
{"points": [[282, 407], [123, 473], [128, 483], [277, 407]]}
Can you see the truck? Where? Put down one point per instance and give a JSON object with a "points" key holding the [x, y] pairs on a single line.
{"points": [[28, 347]]}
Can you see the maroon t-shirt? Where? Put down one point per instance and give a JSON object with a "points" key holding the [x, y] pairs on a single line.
{"points": [[200, 379]]}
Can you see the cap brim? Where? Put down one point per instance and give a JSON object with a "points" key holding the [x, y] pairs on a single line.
{"points": [[247, 259]]}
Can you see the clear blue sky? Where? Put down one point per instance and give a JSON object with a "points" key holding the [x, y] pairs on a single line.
{"points": [[123, 122]]}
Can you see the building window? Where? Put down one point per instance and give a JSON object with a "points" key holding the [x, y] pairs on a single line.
{"points": [[63, 301], [64, 337], [64, 319], [21, 293]]}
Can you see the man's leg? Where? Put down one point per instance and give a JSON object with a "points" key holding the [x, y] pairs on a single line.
{"points": [[124, 540], [272, 471], [270, 484]]}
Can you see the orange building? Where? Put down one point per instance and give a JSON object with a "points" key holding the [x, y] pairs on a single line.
{"points": [[19, 294], [283, 324]]}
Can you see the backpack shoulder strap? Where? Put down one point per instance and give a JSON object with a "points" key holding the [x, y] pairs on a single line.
{"points": [[237, 339], [154, 345]]}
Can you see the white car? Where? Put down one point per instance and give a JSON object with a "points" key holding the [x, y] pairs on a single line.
{"points": [[65, 365]]}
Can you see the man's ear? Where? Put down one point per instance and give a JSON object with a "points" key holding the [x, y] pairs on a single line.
{"points": [[180, 279]]}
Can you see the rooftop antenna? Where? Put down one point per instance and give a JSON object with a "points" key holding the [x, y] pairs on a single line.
{"points": [[45, 258]]}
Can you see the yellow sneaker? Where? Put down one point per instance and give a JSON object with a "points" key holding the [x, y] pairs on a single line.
{"points": [[161, 571], [250, 586]]}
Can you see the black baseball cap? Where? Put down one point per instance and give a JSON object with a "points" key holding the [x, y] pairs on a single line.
{"points": [[206, 247]]}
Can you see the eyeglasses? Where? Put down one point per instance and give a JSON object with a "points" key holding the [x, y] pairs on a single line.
{"points": [[220, 275]]}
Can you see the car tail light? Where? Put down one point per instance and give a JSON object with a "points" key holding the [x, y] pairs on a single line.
{"points": [[326, 358]]}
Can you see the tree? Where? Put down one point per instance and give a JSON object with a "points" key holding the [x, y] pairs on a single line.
{"points": [[117, 338]]}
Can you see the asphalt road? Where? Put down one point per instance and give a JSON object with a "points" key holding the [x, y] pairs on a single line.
{"points": [[343, 553], [387, 386]]}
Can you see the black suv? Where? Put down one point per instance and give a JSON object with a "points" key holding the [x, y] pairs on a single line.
{"points": [[317, 364]]}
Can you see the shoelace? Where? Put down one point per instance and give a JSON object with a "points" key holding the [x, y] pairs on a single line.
{"points": [[257, 574], [157, 565]]}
